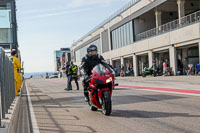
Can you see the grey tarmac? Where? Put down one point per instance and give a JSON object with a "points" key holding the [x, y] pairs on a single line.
{"points": [[133, 111]]}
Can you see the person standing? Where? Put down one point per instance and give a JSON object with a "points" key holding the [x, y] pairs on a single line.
{"points": [[164, 67], [73, 69], [68, 74], [17, 71], [122, 71]]}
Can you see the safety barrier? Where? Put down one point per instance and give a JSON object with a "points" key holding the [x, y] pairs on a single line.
{"points": [[7, 84], [187, 20]]}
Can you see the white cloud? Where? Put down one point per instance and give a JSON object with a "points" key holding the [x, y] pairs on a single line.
{"points": [[83, 3], [61, 13], [65, 7], [69, 5]]}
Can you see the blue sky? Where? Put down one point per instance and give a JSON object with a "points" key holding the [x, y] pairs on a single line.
{"points": [[48, 25]]}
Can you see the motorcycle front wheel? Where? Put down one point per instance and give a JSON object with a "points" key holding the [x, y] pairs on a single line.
{"points": [[107, 104]]}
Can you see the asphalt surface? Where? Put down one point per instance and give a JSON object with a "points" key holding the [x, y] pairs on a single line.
{"points": [[133, 110], [23, 123]]}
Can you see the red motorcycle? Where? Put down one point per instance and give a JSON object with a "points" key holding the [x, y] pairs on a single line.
{"points": [[100, 89]]}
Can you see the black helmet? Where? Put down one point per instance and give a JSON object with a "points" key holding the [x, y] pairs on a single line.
{"points": [[92, 47]]}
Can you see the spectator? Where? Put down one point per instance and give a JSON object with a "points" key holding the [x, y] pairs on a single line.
{"points": [[73, 75], [190, 69], [130, 69], [198, 69], [68, 75], [17, 71], [122, 71], [164, 67]]}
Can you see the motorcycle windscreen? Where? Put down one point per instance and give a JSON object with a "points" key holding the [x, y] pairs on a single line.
{"points": [[100, 69]]}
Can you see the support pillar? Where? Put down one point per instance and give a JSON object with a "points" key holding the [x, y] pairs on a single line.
{"points": [[135, 65], [199, 52], [158, 18], [111, 63], [173, 60], [181, 9], [109, 40], [109, 44], [101, 43], [150, 57], [122, 60]]}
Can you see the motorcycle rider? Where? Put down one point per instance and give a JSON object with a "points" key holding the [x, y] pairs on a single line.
{"points": [[91, 59]]}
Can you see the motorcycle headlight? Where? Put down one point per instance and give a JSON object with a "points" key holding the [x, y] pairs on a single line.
{"points": [[109, 80]]}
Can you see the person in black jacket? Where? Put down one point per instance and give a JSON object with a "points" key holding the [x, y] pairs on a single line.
{"points": [[90, 60], [68, 74]]}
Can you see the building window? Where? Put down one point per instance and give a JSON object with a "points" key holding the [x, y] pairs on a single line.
{"points": [[80, 53], [5, 24], [122, 36]]}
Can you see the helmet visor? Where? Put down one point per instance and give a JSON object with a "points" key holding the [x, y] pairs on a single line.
{"points": [[93, 52]]}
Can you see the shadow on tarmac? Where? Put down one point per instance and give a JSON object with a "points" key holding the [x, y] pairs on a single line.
{"points": [[131, 99], [58, 101], [53, 121], [147, 114]]}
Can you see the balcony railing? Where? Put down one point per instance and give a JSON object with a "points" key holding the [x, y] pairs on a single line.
{"points": [[187, 20]]}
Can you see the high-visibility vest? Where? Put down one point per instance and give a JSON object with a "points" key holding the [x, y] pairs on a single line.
{"points": [[74, 69]]}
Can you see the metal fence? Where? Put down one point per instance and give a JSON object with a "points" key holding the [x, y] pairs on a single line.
{"points": [[187, 20], [7, 84]]}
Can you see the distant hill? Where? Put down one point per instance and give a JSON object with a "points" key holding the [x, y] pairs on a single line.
{"points": [[37, 74]]}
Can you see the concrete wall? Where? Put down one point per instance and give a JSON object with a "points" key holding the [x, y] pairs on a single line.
{"points": [[185, 34], [10, 124], [126, 50]]}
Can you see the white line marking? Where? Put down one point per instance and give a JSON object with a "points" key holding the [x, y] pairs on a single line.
{"points": [[33, 118], [161, 91]]}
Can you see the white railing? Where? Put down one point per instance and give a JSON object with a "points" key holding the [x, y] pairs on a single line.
{"points": [[187, 20]]}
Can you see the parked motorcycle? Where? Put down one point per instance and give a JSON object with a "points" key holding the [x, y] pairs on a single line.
{"points": [[149, 71], [100, 89]]}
